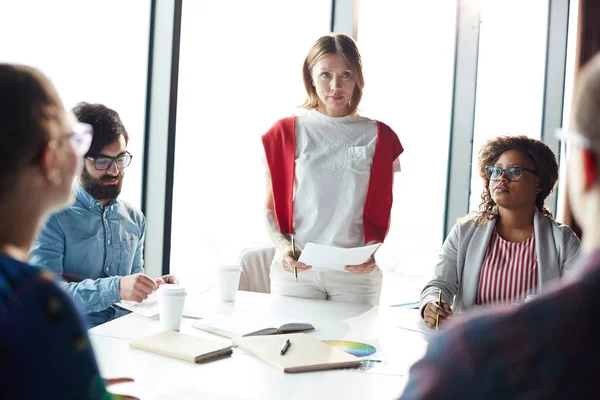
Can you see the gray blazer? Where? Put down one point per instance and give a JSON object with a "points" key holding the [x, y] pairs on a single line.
{"points": [[460, 260]]}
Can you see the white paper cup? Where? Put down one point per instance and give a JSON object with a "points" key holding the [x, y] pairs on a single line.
{"points": [[171, 299], [229, 279]]}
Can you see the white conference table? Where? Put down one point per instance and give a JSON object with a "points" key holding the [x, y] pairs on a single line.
{"points": [[242, 376]]}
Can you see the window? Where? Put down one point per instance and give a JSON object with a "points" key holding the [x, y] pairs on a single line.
{"points": [[510, 75], [91, 53], [240, 71], [570, 69], [408, 56]]}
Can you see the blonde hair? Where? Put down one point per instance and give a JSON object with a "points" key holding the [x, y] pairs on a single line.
{"points": [[340, 44]]}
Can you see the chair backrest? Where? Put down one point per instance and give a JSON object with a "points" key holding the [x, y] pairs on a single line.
{"points": [[256, 266]]}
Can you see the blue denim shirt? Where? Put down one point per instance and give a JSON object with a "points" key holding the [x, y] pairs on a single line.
{"points": [[92, 247]]}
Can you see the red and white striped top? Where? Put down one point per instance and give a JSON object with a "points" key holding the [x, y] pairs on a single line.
{"points": [[509, 272]]}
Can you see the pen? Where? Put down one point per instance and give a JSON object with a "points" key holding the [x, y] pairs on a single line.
{"points": [[437, 317], [285, 347], [294, 257]]}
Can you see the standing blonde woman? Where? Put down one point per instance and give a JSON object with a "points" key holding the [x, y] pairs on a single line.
{"points": [[330, 177], [511, 247]]}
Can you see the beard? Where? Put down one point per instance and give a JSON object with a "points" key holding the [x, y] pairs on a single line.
{"points": [[98, 189]]}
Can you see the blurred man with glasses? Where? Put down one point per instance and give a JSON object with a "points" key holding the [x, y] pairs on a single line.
{"points": [[97, 244]]}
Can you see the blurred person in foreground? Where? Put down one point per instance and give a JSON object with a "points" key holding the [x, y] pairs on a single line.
{"points": [[45, 352]]}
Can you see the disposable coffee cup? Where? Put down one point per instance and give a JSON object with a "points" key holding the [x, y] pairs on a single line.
{"points": [[229, 279], [171, 299]]}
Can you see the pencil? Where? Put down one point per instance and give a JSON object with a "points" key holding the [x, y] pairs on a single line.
{"points": [[294, 257], [437, 317]]}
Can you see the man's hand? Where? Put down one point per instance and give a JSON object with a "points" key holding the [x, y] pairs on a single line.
{"points": [[136, 287], [169, 279]]}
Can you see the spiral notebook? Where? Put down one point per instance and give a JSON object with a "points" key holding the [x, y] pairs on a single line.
{"points": [[183, 347], [304, 354]]}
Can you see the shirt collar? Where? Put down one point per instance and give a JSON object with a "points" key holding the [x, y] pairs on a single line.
{"points": [[87, 200]]}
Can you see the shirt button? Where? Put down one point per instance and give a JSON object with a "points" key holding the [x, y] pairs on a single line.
{"points": [[107, 269], [108, 241]]}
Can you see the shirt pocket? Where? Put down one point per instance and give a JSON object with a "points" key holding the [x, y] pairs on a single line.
{"points": [[359, 159], [129, 243]]}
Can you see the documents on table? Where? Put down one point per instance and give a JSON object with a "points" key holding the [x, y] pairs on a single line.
{"points": [[183, 347], [250, 325], [336, 258], [149, 307], [305, 353]]}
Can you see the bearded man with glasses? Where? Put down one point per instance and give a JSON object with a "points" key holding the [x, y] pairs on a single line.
{"points": [[97, 244], [509, 249]]}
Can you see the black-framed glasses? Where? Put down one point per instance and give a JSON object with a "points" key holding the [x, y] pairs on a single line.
{"points": [[513, 174], [103, 163]]}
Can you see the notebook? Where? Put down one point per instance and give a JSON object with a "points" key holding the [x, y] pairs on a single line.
{"points": [[305, 353], [183, 347], [230, 327]]}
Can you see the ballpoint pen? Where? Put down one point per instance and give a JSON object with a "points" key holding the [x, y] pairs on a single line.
{"points": [[437, 317], [285, 347], [294, 257]]}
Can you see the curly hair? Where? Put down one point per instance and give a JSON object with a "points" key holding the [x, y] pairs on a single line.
{"points": [[536, 151]]}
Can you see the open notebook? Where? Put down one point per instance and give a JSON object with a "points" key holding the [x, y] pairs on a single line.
{"points": [[248, 325], [183, 347], [305, 353]]}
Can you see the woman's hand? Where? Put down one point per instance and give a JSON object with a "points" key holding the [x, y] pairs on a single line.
{"points": [[289, 263], [432, 310], [364, 268], [115, 381]]}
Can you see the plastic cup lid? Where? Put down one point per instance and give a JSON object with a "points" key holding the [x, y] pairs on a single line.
{"points": [[230, 267], [171, 289]]}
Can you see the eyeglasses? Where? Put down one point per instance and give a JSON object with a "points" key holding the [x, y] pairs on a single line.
{"points": [[513, 174], [576, 138], [80, 138], [104, 162]]}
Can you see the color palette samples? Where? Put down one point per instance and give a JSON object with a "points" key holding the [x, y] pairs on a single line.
{"points": [[355, 348]]}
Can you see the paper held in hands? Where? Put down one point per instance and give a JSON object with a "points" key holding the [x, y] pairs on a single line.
{"points": [[336, 258]]}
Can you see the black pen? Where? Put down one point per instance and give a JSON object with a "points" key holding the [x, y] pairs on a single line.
{"points": [[285, 347]]}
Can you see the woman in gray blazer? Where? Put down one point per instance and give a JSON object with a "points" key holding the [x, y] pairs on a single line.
{"points": [[512, 246]]}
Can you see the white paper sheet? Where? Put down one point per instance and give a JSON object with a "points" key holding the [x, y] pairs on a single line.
{"points": [[149, 307], [329, 257]]}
